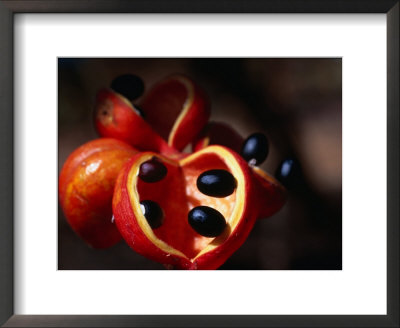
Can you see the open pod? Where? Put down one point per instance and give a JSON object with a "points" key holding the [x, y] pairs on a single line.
{"points": [[175, 243], [116, 117], [177, 109], [270, 192]]}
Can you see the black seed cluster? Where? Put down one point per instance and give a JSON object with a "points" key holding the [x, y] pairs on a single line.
{"points": [[256, 148], [206, 220], [152, 171]]}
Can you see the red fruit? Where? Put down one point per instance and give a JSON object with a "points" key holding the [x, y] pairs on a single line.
{"points": [[86, 186], [175, 243], [158, 207]]}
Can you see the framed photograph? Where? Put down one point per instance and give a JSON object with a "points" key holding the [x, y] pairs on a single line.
{"points": [[248, 108], [315, 85]]}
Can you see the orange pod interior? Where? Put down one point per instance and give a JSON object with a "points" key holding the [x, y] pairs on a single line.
{"points": [[177, 194]]}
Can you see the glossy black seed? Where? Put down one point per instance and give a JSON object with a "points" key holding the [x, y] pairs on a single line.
{"points": [[139, 110], [206, 221], [153, 213], [288, 172], [152, 170], [128, 85], [216, 183], [256, 148]]}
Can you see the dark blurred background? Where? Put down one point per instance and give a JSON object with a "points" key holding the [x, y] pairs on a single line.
{"points": [[296, 102]]}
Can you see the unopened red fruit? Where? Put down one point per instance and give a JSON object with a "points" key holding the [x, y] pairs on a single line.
{"points": [[86, 186]]}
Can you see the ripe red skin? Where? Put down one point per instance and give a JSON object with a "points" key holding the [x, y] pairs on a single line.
{"points": [[137, 240], [86, 185], [115, 117]]}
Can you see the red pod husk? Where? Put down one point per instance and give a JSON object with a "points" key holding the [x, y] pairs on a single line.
{"points": [[115, 117], [177, 109], [175, 243]]}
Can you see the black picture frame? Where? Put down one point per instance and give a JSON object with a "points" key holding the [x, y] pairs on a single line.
{"points": [[7, 11]]}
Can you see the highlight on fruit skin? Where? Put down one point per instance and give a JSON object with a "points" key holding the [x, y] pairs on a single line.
{"points": [[86, 186], [179, 243]]}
